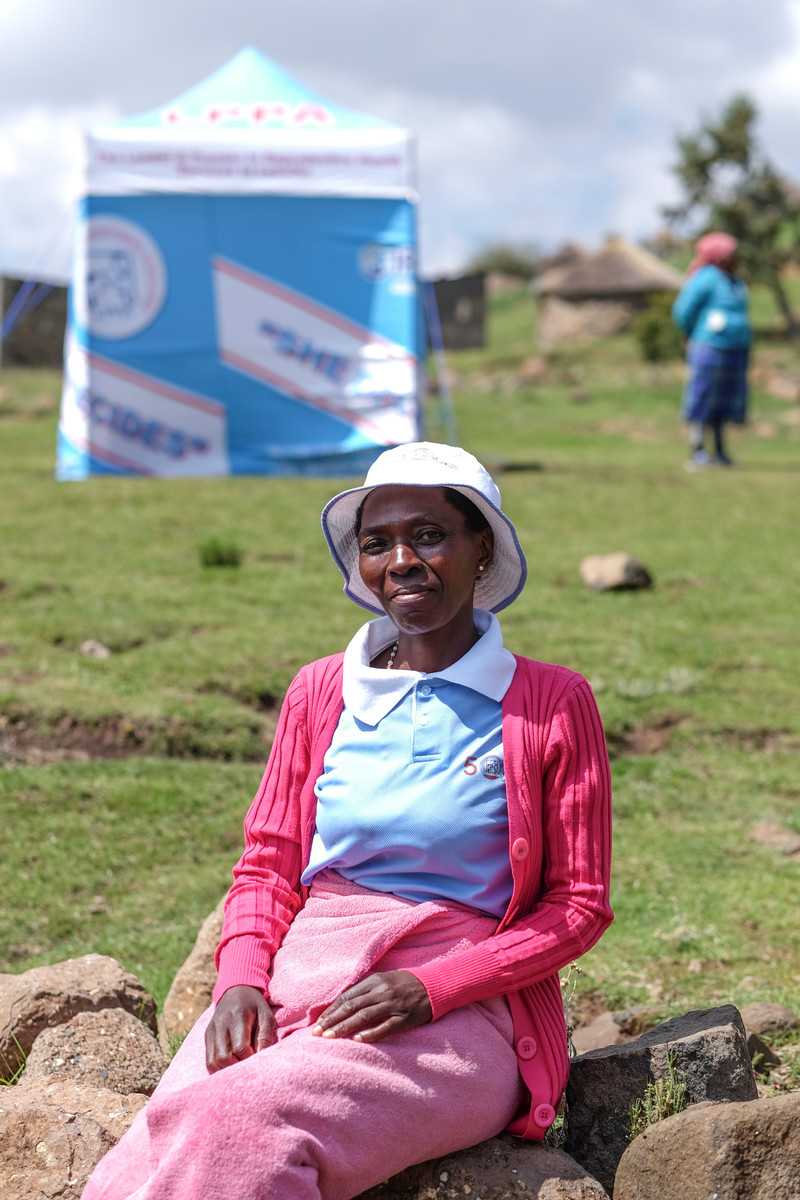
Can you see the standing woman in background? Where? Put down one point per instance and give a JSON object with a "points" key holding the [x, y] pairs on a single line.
{"points": [[711, 310]]}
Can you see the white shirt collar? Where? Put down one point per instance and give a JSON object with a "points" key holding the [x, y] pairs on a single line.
{"points": [[372, 692]]}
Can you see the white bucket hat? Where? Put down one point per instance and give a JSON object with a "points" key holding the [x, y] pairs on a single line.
{"points": [[427, 464]]}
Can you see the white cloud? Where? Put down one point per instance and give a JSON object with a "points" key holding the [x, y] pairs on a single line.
{"points": [[41, 178], [536, 121], [777, 91]]}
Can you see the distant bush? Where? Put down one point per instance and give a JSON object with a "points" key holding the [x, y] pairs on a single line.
{"points": [[656, 333], [507, 259], [219, 552]]}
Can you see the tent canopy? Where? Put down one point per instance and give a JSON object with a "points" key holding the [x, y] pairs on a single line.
{"points": [[252, 128], [245, 296]]}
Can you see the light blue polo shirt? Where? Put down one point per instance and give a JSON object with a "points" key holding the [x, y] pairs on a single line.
{"points": [[412, 797]]}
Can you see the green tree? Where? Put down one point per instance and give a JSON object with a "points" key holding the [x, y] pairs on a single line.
{"points": [[729, 185]]}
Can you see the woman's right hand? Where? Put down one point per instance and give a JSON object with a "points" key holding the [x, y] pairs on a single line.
{"points": [[243, 1024]]}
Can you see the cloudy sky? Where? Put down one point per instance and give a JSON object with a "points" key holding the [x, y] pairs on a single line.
{"points": [[538, 120]]}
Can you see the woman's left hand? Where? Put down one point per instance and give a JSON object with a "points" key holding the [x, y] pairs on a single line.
{"points": [[382, 1004]]}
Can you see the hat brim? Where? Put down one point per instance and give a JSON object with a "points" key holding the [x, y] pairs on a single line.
{"points": [[500, 586]]}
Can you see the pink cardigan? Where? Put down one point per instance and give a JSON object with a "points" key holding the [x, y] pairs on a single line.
{"points": [[559, 794]]}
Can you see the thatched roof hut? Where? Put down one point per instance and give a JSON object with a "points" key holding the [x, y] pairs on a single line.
{"points": [[598, 295]]}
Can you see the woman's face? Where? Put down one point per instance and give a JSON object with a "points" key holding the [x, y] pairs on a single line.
{"points": [[419, 559]]}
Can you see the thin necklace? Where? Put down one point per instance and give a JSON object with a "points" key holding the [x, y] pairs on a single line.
{"points": [[396, 646]]}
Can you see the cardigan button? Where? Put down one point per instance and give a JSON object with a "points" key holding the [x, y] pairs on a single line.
{"points": [[526, 1047], [544, 1114], [520, 849]]}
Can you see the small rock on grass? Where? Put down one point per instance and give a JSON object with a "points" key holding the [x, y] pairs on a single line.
{"points": [[769, 1019], [93, 649], [776, 837], [602, 1031], [614, 573], [532, 371]]}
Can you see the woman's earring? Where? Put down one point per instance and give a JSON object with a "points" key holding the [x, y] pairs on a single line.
{"points": [[480, 566]]}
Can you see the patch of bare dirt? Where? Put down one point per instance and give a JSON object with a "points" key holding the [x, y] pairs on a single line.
{"points": [[261, 700], [651, 737], [72, 739], [687, 581], [764, 741]]}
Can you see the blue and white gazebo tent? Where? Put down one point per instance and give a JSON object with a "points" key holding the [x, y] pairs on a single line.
{"points": [[244, 297]]}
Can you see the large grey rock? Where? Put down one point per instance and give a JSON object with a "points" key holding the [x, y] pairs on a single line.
{"points": [[52, 1137], [709, 1049], [190, 994], [47, 996], [614, 573], [745, 1151], [110, 1049], [763, 1017], [499, 1169]]}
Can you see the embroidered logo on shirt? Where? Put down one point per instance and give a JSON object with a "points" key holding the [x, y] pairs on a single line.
{"points": [[492, 767]]}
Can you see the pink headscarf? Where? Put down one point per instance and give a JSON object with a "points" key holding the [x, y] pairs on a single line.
{"points": [[712, 250]]}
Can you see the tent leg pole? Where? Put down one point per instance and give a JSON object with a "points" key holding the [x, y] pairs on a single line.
{"points": [[446, 407]]}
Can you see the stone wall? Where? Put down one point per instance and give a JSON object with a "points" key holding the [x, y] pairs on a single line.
{"points": [[564, 321]]}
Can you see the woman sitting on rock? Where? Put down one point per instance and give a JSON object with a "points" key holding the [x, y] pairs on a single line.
{"points": [[428, 846]]}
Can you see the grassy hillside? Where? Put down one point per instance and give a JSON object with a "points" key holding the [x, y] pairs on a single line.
{"points": [[127, 777]]}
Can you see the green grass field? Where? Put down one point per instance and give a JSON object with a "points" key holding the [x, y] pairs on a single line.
{"points": [[126, 778]]}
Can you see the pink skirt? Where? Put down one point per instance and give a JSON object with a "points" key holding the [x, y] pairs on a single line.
{"points": [[324, 1119]]}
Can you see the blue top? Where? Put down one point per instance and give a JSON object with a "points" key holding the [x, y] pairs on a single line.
{"points": [[712, 308], [414, 803]]}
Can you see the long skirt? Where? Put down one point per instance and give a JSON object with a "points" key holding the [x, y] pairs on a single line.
{"points": [[313, 1118], [716, 385]]}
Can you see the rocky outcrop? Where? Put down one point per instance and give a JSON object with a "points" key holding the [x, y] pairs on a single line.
{"points": [[190, 994], [495, 1170], [53, 1135], [707, 1048], [747, 1151], [108, 1049], [93, 1061], [46, 996]]}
